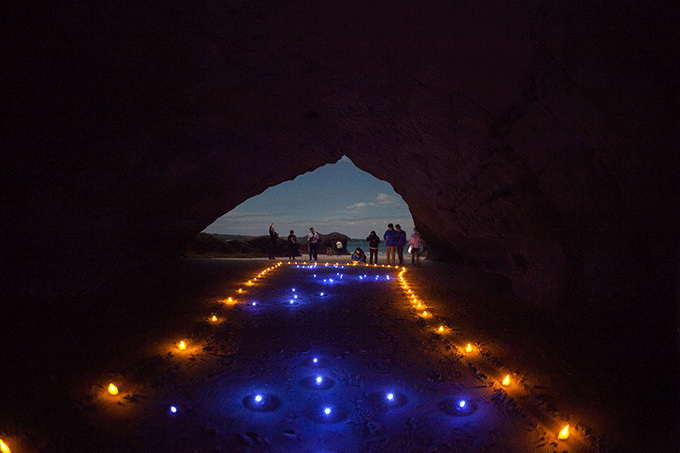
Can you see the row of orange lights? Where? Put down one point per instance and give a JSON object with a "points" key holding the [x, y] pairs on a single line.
{"points": [[183, 344], [413, 299]]}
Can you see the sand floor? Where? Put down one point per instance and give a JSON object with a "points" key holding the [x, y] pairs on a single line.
{"points": [[370, 340]]}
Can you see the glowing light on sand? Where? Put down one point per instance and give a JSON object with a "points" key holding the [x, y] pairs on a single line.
{"points": [[181, 345], [113, 390], [468, 348], [250, 282], [230, 300], [4, 448], [425, 314], [240, 290], [419, 305], [214, 318], [506, 380], [564, 434], [441, 329]]}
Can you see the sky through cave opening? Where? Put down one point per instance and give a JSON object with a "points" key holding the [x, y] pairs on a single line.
{"points": [[337, 197]]}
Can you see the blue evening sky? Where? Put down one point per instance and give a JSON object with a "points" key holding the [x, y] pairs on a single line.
{"points": [[335, 197]]}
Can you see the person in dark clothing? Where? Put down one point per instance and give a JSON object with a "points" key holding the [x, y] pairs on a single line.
{"points": [[292, 246], [273, 235], [401, 242], [390, 238], [359, 256], [373, 241]]}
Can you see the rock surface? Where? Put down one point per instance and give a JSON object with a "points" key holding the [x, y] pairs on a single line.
{"points": [[535, 140]]}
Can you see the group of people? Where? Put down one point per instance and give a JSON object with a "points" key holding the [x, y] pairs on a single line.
{"points": [[292, 243], [395, 241]]}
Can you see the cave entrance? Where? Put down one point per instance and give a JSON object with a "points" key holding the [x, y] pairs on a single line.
{"points": [[337, 197]]}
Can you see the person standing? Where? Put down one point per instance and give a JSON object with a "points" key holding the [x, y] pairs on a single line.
{"points": [[373, 241], [390, 238], [400, 243], [292, 246], [414, 247], [272, 241], [313, 239]]}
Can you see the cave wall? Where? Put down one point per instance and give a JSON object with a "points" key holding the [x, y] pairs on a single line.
{"points": [[535, 140]]}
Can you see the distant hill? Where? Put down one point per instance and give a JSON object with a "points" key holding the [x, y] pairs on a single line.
{"points": [[231, 237], [206, 245]]}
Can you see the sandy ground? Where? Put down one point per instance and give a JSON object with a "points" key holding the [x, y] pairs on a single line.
{"points": [[369, 340]]}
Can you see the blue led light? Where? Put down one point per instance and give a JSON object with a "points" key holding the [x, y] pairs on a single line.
{"points": [[461, 404], [258, 398], [295, 296], [331, 280], [314, 275], [322, 294], [390, 396], [327, 411], [293, 289], [254, 303], [319, 379], [291, 301], [173, 409], [315, 360], [361, 278]]}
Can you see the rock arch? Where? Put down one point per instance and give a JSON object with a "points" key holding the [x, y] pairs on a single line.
{"points": [[531, 140]]}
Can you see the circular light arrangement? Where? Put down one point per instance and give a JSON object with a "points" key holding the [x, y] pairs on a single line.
{"points": [[261, 402], [457, 407]]}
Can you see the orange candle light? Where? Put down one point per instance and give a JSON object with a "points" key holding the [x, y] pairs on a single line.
{"points": [[468, 348], [506, 381], [181, 345], [113, 390], [214, 318], [441, 329], [564, 434], [4, 448]]}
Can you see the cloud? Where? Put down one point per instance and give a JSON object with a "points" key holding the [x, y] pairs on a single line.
{"points": [[384, 198], [381, 200], [361, 204]]}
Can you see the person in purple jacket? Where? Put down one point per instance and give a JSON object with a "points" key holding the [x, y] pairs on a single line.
{"points": [[400, 243], [390, 238]]}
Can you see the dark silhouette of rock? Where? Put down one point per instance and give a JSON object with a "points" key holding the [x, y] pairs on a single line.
{"points": [[534, 140]]}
